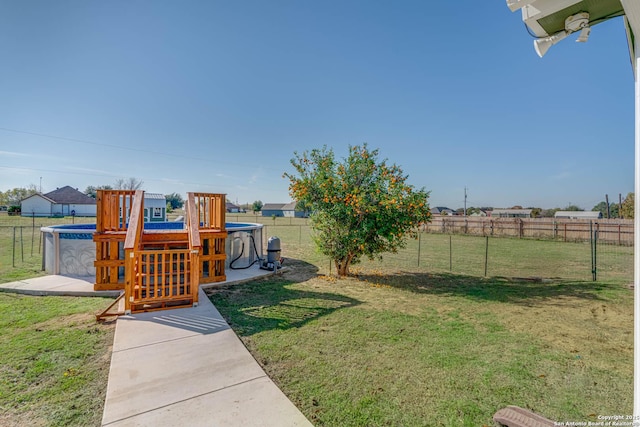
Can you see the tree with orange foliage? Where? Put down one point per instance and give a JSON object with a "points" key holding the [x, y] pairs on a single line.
{"points": [[359, 207]]}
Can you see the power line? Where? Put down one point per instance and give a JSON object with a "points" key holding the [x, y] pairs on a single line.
{"points": [[122, 147], [145, 179]]}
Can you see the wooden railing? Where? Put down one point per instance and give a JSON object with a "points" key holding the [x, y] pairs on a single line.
{"points": [[205, 218], [195, 245], [112, 207], [136, 223], [161, 279], [210, 210], [132, 247], [158, 269], [192, 222]]}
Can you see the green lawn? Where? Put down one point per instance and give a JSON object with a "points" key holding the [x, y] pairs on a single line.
{"points": [[419, 338], [21, 245], [433, 349], [54, 363]]}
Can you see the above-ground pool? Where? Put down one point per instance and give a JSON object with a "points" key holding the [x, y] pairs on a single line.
{"points": [[70, 250]]}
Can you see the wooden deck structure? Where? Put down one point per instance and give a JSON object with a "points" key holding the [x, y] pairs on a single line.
{"points": [[158, 269]]}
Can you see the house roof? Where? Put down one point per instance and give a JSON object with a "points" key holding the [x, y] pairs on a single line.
{"points": [[578, 214], [155, 196], [230, 205], [440, 209], [273, 206], [70, 195], [512, 211], [291, 206]]}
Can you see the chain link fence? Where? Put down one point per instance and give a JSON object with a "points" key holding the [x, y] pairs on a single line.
{"points": [[600, 251], [592, 259]]}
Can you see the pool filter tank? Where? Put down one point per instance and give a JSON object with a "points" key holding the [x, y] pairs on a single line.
{"points": [[273, 261]]}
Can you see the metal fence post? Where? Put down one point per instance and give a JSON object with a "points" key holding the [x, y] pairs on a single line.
{"points": [[486, 255], [419, 240], [595, 255], [450, 256], [13, 251], [591, 245]]}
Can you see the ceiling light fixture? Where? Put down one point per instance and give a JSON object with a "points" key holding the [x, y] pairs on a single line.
{"points": [[574, 23]]}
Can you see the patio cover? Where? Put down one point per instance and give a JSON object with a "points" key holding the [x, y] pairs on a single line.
{"points": [[546, 18]]}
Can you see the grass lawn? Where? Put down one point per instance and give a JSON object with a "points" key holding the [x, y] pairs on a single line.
{"points": [[405, 348], [54, 363], [421, 338]]}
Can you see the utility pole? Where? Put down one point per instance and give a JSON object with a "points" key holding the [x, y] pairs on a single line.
{"points": [[620, 205], [465, 201]]}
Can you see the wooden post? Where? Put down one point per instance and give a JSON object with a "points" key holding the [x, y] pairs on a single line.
{"points": [[129, 276], [195, 275], [521, 228], [620, 205]]}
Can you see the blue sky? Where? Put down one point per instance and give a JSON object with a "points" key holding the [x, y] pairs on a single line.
{"points": [[216, 96]]}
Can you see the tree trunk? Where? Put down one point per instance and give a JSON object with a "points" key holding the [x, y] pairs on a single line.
{"points": [[342, 265]]}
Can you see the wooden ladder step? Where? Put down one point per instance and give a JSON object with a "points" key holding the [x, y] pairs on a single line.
{"points": [[108, 313], [514, 416]]}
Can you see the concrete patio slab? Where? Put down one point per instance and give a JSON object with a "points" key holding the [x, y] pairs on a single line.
{"points": [[57, 285]]}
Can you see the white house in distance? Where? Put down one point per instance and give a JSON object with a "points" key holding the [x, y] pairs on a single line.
{"points": [[578, 214], [511, 213], [65, 201], [282, 209], [68, 201]]}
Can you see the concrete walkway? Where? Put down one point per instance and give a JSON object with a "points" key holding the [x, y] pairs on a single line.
{"points": [[181, 367]]}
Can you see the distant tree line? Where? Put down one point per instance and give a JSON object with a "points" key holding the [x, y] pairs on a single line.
{"points": [[13, 197]]}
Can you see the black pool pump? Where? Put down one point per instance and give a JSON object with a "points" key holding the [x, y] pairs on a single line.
{"points": [[274, 260]]}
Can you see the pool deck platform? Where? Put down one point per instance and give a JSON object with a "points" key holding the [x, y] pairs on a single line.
{"points": [[183, 366]]}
